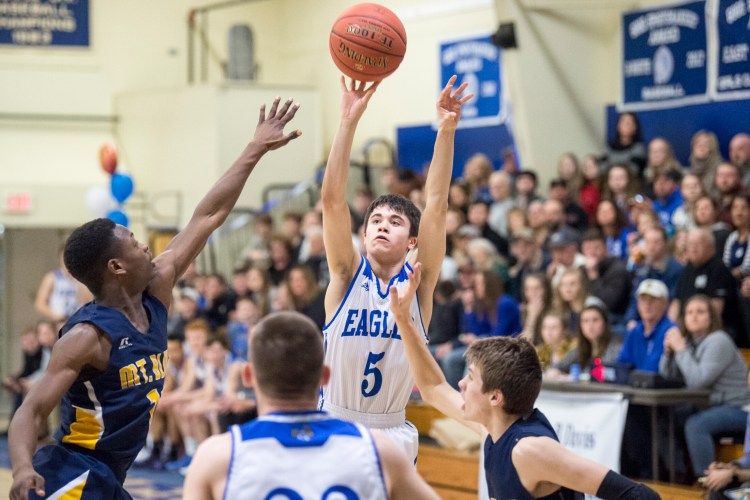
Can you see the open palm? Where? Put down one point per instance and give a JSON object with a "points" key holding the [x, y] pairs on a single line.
{"points": [[449, 103], [354, 98]]}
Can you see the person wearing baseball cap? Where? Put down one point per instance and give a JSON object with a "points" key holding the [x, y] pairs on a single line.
{"points": [[563, 246]]}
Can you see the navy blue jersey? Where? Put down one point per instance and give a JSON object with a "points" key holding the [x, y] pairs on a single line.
{"points": [[502, 479], [107, 414]]}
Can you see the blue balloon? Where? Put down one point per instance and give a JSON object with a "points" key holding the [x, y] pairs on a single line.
{"points": [[118, 217], [122, 186]]}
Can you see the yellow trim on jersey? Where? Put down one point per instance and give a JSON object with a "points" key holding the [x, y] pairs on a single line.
{"points": [[73, 490], [85, 431]]}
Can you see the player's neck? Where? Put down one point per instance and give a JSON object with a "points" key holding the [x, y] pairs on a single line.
{"points": [[270, 405], [384, 271], [131, 305], [499, 422]]}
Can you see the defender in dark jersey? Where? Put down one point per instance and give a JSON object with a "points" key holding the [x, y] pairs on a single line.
{"points": [[108, 366], [523, 458]]}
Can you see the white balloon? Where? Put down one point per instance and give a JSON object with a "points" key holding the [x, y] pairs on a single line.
{"points": [[99, 200]]}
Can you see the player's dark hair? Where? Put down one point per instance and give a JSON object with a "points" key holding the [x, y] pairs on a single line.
{"points": [[510, 366], [286, 351], [87, 251], [400, 205]]}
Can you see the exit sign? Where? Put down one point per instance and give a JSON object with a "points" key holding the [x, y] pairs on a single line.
{"points": [[17, 202]]}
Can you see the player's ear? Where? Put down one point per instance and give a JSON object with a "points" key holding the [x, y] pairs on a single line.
{"points": [[115, 267], [412, 242], [325, 376], [247, 375], [496, 398]]}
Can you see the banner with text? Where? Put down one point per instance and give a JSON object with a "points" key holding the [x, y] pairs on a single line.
{"points": [[664, 56], [57, 23], [477, 62], [733, 49], [591, 425]]}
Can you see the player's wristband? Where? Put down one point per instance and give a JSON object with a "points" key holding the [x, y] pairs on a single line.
{"points": [[617, 487]]}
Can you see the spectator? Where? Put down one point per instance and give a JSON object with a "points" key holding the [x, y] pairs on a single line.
{"points": [[620, 187], [447, 317], [660, 159], [281, 253], [613, 224], [476, 175], [739, 155], [526, 186], [644, 343], [239, 282], [59, 295], [570, 296], [591, 190], [564, 249], [517, 220], [667, 197], [502, 202], [596, 345], [304, 294], [569, 170], [313, 255], [574, 216], [537, 218], [658, 265], [704, 158], [245, 318], [291, 229], [492, 314], [458, 196], [529, 258], [727, 186], [479, 216], [484, 257], [626, 147], [32, 359], [537, 300], [691, 189], [185, 310], [704, 356], [707, 217], [736, 256], [706, 274], [557, 342], [257, 246], [259, 286], [608, 277], [219, 301]]}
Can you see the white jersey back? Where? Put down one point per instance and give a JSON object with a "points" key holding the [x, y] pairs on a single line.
{"points": [[369, 370], [303, 455]]}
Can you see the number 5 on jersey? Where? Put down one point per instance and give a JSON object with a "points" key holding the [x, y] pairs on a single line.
{"points": [[370, 369]]}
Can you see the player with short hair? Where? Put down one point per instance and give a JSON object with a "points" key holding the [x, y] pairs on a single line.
{"points": [[370, 383], [109, 365], [291, 450], [522, 456]]}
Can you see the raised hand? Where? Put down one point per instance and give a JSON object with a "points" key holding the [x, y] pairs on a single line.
{"points": [[354, 98], [270, 129], [401, 300], [449, 103]]}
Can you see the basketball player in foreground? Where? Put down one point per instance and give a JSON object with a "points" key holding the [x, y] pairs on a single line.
{"points": [[370, 382], [523, 458], [291, 450], [110, 361]]}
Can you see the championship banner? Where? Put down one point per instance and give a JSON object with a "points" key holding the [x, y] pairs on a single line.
{"points": [[664, 57], [733, 49], [477, 62], [58, 23], [589, 424]]}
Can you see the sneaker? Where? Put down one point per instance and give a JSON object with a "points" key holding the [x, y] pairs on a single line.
{"points": [[179, 464]]}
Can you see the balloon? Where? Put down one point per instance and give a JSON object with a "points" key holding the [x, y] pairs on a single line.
{"points": [[108, 158], [118, 217], [100, 201], [122, 186]]}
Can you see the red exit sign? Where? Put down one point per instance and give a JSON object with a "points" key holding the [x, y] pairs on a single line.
{"points": [[17, 202]]}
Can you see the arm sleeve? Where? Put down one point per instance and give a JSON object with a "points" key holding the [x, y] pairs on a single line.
{"points": [[617, 487]]}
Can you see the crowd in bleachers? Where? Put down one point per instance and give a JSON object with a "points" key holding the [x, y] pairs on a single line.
{"points": [[596, 268]]}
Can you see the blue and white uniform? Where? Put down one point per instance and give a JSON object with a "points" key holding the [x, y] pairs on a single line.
{"points": [[370, 376], [303, 455], [105, 416]]}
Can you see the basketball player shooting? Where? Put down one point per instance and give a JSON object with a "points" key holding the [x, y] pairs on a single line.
{"points": [[108, 366], [371, 382]]}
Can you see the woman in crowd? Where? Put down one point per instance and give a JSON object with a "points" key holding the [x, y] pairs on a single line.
{"points": [[259, 286], [459, 196], [476, 176], [613, 224], [590, 193], [537, 299], [661, 158], [569, 170], [736, 255], [596, 344], [620, 187], [626, 147], [706, 216], [556, 343], [704, 158], [484, 257], [691, 189], [570, 296], [704, 356], [304, 295]]}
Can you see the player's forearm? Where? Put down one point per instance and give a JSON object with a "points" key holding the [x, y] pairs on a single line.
{"points": [[438, 181], [22, 439], [222, 197], [336, 176], [427, 373]]}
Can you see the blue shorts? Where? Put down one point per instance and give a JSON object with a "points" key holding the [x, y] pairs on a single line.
{"points": [[68, 474]]}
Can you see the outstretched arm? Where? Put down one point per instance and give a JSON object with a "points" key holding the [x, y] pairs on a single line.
{"points": [[401, 478], [432, 225], [214, 208], [342, 257], [427, 374]]}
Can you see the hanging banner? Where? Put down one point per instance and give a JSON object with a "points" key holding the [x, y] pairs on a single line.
{"points": [[477, 62], [664, 57], [56, 23], [733, 49]]}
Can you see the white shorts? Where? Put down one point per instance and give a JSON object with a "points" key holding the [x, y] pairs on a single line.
{"points": [[406, 437]]}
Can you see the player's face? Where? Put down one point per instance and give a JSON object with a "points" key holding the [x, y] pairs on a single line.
{"points": [[387, 233], [135, 257], [476, 405]]}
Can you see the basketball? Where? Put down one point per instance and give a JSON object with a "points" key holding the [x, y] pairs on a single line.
{"points": [[367, 42]]}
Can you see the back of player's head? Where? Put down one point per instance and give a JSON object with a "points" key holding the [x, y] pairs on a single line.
{"points": [[400, 205], [88, 250], [511, 366], [286, 350]]}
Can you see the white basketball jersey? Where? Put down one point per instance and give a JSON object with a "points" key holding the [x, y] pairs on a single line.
{"points": [[369, 370], [303, 455]]}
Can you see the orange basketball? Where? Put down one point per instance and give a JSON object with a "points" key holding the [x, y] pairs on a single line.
{"points": [[367, 42]]}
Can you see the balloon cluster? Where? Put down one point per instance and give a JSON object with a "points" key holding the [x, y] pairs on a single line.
{"points": [[108, 202]]}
